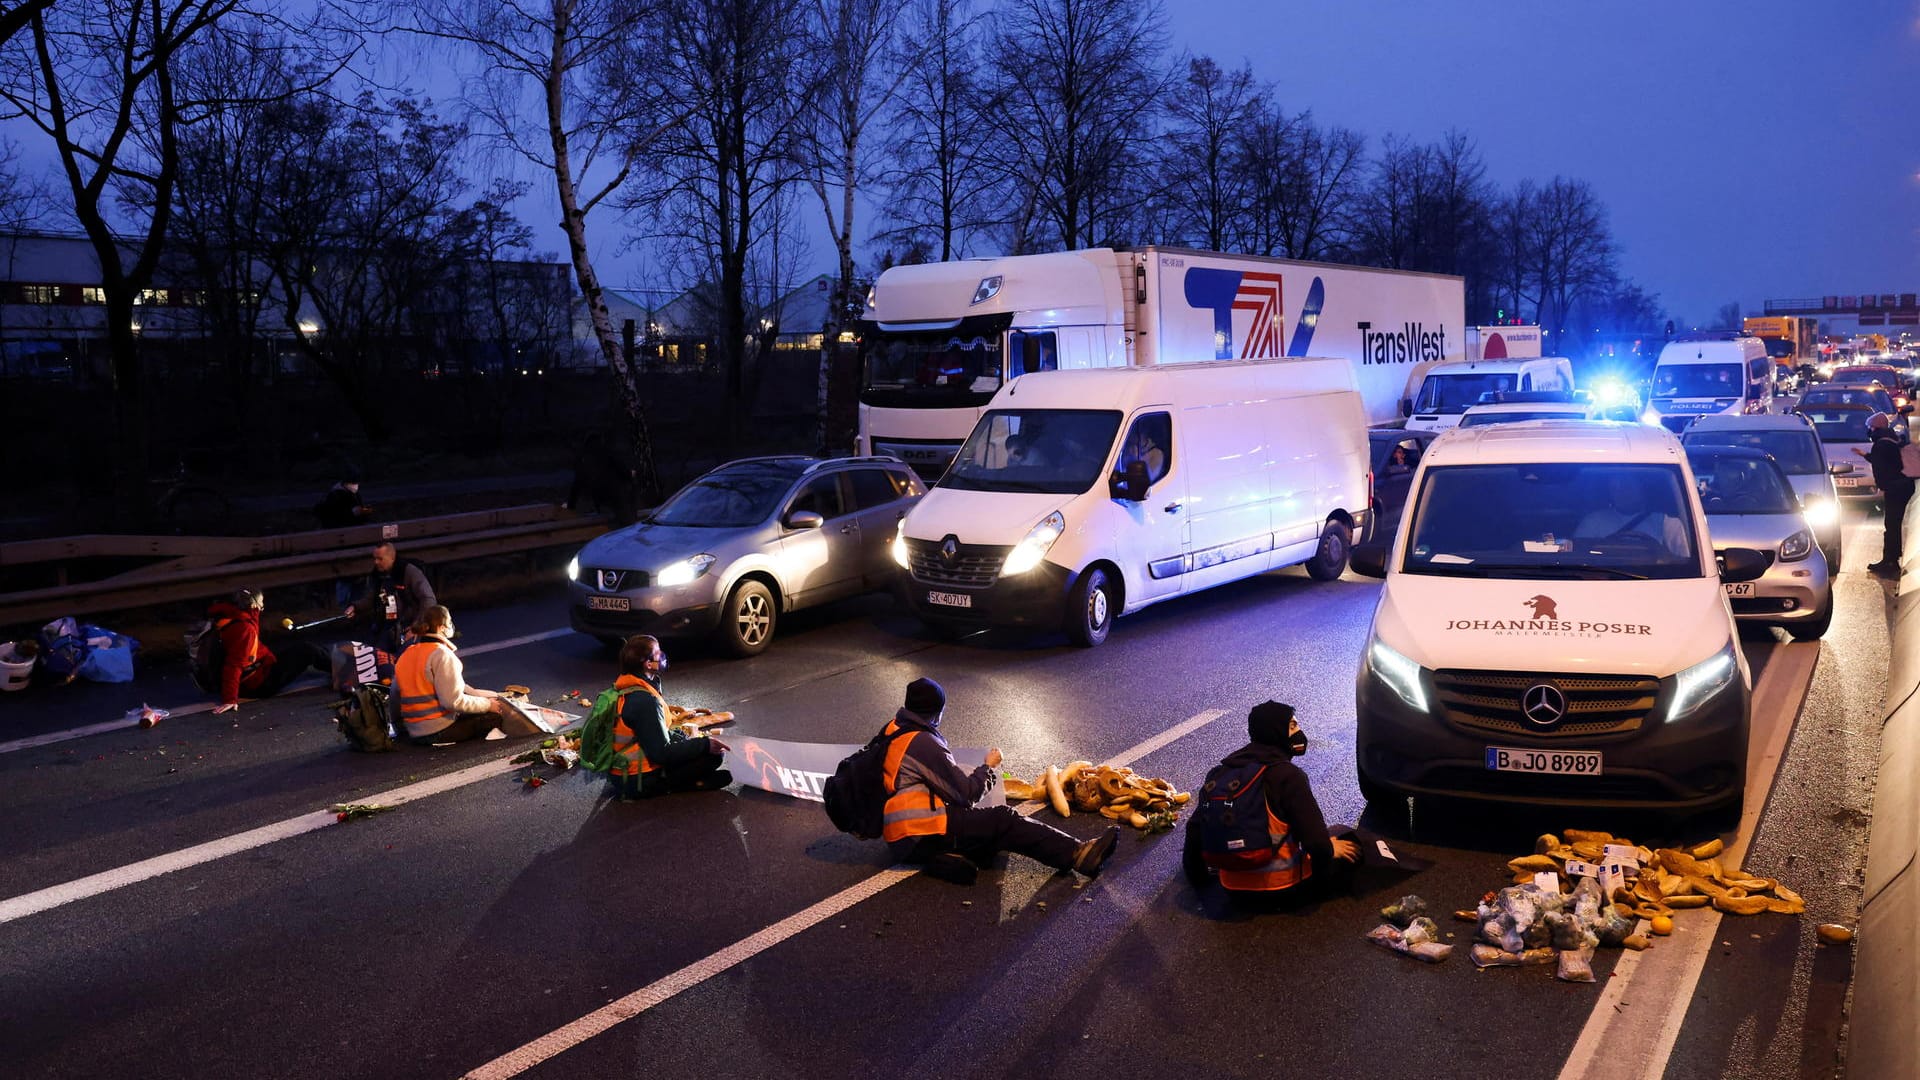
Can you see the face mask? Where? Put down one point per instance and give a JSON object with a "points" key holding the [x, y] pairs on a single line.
{"points": [[1297, 743], [660, 664]]}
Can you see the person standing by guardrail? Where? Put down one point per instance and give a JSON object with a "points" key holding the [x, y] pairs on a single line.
{"points": [[397, 595], [247, 665], [1896, 489]]}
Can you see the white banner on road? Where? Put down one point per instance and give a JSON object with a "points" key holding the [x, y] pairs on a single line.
{"points": [[801, 769]]}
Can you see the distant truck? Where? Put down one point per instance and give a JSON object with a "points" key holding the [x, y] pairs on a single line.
{"points": [[939, 340], [1791, 340], [1502, 342]]}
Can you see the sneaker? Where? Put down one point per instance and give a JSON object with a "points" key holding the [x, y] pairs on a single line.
{"points": [[1093, 854], [952, 866]]}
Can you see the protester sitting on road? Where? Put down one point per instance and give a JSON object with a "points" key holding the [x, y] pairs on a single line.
{"points": [[396, 596], [341, 507], [930, 816], [247, 666], [432, 698], [1304, 859], [649, 758]]}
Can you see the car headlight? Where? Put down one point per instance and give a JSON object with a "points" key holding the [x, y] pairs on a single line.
{"points": [[900, 545], [1027, 554], [1698, 684], [683, 571], [573, 568], [1400, 674], [1821, 513], [1796, 547]]}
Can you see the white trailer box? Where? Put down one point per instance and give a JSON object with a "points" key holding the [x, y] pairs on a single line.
{"points": [[1502, 342], [939, 340]]}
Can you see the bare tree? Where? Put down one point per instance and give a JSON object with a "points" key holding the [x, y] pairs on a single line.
{"points": [[1305, 180], [1569, 248], [1727, 317], [587, 128], [941, 177], [1208, 186], [1076, 139]]}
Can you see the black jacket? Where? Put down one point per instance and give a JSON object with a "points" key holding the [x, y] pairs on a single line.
{"points": [[1884, 456], [1289, 796]]}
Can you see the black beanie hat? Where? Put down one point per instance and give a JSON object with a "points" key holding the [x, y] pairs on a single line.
{"points": [[925, 698], [1267, 723]]}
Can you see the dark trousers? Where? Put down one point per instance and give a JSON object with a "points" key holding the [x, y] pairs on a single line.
{"points": [[687, 765], [476, 726], [290, 660], [980, 833], [1894, 537]]}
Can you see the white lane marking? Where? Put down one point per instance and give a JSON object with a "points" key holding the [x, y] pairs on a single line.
{"points": [[207, 706], [1636, 1021], [33, 903], [554, 1043]]}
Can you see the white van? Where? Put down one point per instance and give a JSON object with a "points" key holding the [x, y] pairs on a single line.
{"points": [[1697, 377], [1082, 495], [1554, 627], [1451, 389]]}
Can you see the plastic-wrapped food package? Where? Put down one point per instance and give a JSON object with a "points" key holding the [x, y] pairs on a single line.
{"points": [[1576, 965], [1493, 956], [1403, 911], [1416, 942]]}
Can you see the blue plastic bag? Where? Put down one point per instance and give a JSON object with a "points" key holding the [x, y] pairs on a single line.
{"points": [[109, 655]]}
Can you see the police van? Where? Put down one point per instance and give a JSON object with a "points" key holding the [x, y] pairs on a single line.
{"points": [[1703, 375], [1084, 495], [1554, 627]]}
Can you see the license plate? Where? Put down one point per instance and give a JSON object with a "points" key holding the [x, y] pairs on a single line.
{"points": [[609, 603], [1847, 481], [1564, 762], [1741, 588], [950, 599]]}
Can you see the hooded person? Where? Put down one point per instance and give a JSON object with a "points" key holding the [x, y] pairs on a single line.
{"points": [[1305, 858], [931, 817], [247, 665]]}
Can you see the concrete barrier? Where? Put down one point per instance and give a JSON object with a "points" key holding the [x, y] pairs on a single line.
{"points": [[1885, 1024]]}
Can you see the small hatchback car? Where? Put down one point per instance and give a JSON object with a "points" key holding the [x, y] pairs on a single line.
{"points": [[738, 547]]}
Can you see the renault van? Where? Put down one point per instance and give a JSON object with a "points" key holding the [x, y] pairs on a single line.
{"points": [[1697, 377], [1448, 390], [1554, 627], [1084, 495]]}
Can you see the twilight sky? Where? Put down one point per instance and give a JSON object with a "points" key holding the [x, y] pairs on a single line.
{"points": [[1747, 150]]}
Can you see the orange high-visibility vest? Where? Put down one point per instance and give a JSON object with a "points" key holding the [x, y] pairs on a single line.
{"points": [[634, 760], [1289, 866], [915, 811], [419, 703]]}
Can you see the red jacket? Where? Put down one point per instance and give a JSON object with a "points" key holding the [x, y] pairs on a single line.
{"points": [[246, 658]]}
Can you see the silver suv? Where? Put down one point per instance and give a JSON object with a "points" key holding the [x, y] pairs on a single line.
{"points": [[736, 548]]}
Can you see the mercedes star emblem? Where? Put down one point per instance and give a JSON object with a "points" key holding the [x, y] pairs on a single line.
{"points": [[1543, 705]]}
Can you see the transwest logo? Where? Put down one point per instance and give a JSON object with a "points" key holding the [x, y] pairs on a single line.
{"points": [[1410, 342], [1254, 296], [1546, 622]]}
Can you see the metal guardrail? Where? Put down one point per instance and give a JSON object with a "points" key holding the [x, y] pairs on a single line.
{"points": [[193, 568]]}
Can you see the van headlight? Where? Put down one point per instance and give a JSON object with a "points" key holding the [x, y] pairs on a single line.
{"points": [[1796, 547], [900, 545], [683, 571], [1039, 540], [1650, 415], [1821, 513], [573, 568], [1400, 674], [1698, 684]]}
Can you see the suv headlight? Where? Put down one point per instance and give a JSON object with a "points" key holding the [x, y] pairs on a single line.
{"points": [[683, 571], [900, 545], [1400, 674], [1796, 547], [1698, 684], [573, 568], [1821, 512], [1039, 540]]}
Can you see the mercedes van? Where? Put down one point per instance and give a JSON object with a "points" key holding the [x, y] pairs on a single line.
{"points": [[1084, 495], [1449, 390], [1700, 376], [1554, 627]]}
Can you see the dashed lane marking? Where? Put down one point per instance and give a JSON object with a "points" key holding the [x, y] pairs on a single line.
{"points": [[557, 1042], [207, 706]]}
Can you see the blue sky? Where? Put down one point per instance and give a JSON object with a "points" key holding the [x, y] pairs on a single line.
{"points": [[1746, 151]]}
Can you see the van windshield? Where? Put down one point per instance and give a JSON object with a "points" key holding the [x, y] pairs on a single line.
{"points": [[1699, 380], [1052, 451], [1453, 394], [1562, 520]]}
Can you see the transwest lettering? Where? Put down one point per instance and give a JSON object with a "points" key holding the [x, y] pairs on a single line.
{"points": [[1411, 342]]}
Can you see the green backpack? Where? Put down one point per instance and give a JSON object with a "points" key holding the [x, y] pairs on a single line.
{"points": [[596, 737]]}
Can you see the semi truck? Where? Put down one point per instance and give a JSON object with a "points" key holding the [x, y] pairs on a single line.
{"points": [[1791, 340], [939, 340]]}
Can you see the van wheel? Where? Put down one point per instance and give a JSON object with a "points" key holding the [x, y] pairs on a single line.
{"points": [[1330, 561], [1814, 629], [746, 623], [1090, 609]]}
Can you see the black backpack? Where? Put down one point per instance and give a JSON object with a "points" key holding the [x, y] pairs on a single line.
{"points": [[855, 794], [205, 653], [1232, 817], [362, 717]]}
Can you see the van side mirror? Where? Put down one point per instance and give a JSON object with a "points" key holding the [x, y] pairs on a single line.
{"points": [[1741, 564], [1129, 485], [1369, 560], [1406, 406], [804, 519]]}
